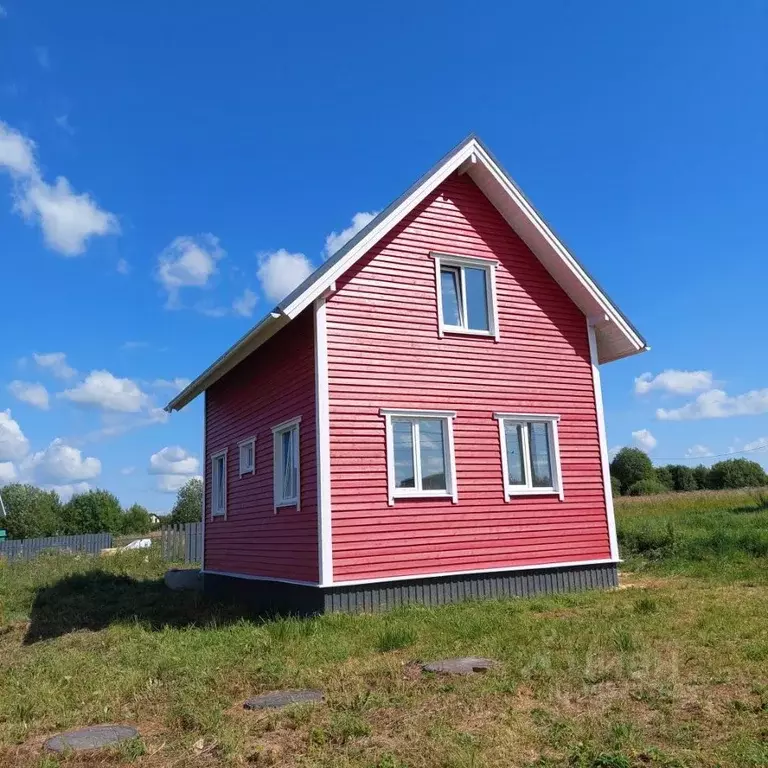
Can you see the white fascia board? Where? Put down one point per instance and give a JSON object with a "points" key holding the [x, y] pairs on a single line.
{"points": [[554, 243], [430, 184]]}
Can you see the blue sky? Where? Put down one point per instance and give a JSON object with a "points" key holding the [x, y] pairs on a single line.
{"points": [[166, 173]]}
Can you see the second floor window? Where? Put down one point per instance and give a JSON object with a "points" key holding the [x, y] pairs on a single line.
{"points": [[466, 295]]}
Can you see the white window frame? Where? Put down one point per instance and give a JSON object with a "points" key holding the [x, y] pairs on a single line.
{"points": [[451, 489], [527, 489], [216, 512], [242, 456], [459, 263], [277, 464]]}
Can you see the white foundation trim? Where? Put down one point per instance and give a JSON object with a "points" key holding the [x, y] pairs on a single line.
{"points": [[262, 578]]}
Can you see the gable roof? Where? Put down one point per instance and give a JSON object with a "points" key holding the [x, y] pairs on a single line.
{"points": [[615, 335]]}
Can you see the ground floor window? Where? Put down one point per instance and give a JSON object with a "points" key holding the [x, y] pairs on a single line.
{"points": [[219, 483], [530, 454], [287, 484], [420, 455]]}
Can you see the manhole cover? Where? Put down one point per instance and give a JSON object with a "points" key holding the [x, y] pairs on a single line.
{"points": [[94, 737], [278, 699], [467, 665]]}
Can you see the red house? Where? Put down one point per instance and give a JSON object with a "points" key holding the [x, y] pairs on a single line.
{"points": [[421, 419]]}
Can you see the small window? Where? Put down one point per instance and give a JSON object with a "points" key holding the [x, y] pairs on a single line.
{"points": [[219, 484], [466, 295], [529, 454], [286, 463], [247, 456], [420, 455]]}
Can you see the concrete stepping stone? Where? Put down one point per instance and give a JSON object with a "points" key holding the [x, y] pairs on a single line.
{"points": [[93, 737], [466, 665], [278, 699]]}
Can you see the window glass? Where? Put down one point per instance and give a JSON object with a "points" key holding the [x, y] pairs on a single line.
{"points": [[289, 469], [402, 440], [477, 298], [541, 462], [218, 479], [515, 465], [449, 285], [432, 455]]}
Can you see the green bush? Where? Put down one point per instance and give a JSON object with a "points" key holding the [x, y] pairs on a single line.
{"points": [[701, 475], [30, 512], [665, 477], [736, 473], [631, 465], [615, 486], [647, 487], [136, 519], [189, 503], [92, 512]]}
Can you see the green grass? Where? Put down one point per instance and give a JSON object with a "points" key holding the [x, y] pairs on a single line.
{"points": [[668, 671], [722, 534]]}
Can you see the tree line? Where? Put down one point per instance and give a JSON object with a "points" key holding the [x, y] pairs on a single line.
{"points": [[633, 474], [32, 512]]}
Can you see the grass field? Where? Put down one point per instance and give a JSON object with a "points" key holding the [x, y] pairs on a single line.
{"points": [[668, 671]]}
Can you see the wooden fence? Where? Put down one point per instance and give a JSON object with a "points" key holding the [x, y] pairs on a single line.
{"points": [[182, 543], [26, 549]]}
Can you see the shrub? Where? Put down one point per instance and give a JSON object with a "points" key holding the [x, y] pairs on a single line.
{"points": [[701, 475], [737, 473], [30, 512], [615, 486], [136, 520], [631, 465], [665, 477], [647, 487], [189, 503], [92, 512]]}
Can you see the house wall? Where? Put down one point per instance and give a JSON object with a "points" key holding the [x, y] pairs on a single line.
{"points": [[384, 351], [274, 384]]}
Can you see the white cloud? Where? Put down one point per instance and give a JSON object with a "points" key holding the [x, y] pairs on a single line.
{"points": [[61, 463], [63, 122], [173, 483], [123, 267], [13, 444], [43, 59], [68, 490], [101, 389], [127, 470], [337, 240], [676, 382], [280, 272], [188, 262], [7, 472], [644, 439], [717, 404], [176, 384], [697, 451], [28, 392], [3, 12], [68, 220], [56, 363], [173, 466], [17, 152], [173, 460], [613, 451], [244, 305]]}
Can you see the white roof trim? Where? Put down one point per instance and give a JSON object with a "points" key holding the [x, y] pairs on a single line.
{"points": [[616, 337]]}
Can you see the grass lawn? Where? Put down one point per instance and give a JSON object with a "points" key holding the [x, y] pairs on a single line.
{"points": [[670, 670]]}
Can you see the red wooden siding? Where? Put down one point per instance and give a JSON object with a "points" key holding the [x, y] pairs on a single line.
{"points": [[274, 384], [384, 351]]}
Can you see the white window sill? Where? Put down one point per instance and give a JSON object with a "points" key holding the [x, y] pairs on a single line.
{"points": [[455, 329], [286, 503], [403, 494], [516, 491], [221, 513]]}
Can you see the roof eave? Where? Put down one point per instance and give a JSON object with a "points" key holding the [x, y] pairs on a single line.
{"points": [[264, 329]]}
